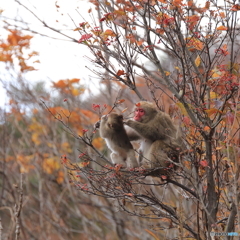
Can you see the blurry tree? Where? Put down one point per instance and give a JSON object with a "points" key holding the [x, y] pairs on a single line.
{"points": [[187, 51]]}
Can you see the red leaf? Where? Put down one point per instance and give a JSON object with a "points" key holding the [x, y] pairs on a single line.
{"points": [[95, 106], [84, 131], [118, 167], [235, 7], [204, 163], [85, 37], [120, 73], [138, 104], [186, 120], [81, 155]]}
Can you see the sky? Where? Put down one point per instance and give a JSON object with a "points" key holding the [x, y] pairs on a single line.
{"points": [[59, 59]]}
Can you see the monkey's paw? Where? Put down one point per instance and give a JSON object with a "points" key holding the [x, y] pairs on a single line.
{"points": [[128, 122], [104, 117]]}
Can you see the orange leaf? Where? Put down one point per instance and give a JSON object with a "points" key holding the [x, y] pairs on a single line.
{"points": [[167, 73], [223, 28], [120, 73], [128, 194], [83, 164], [60, 84], [207, 5], [160, 31], [212, 111], [138, 104], [190, 3], [193, 20], [206, 128], [177, 3], [197, 61], [121, 101], [119, 12], [222, 15], [118, 167], [194, 44], [124, 110], [139, 43], [74, 80], [109, 32]]}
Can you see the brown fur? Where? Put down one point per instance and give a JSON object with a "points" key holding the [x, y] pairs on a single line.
{"points": [[158, 137], [114, 133]]}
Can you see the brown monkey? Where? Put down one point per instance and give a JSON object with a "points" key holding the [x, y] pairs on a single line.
{"points": [[157, 134], [114, 133]]}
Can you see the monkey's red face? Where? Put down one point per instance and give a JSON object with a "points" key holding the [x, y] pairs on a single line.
{"points": [[138, 114]]}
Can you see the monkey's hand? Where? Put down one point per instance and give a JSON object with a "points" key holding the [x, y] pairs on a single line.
{"points": [[129, 122], [132, 134], [104, 119]]}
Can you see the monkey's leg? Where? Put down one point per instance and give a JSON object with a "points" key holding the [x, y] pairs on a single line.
{"points": [[131, 159], [140, 157], [117, 159], [156, 155]]}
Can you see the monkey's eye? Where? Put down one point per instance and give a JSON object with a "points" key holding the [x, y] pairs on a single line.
{"points": [[139, 110]]}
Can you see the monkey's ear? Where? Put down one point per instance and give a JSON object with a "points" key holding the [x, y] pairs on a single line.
{"points": [[113, 126]]}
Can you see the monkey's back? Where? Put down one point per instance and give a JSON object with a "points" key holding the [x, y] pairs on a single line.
{"points": [[118, 139]]}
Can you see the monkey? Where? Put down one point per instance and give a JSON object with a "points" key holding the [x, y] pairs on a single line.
{"points": [[114, 133], [157, 134]]}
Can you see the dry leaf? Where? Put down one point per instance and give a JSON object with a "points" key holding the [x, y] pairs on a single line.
{"points": [[197, 61], [167, 73], [223, 28], [121, 101], [120, 72]]}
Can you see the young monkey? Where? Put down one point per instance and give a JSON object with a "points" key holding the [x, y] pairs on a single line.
{"points": [[114, 133]]}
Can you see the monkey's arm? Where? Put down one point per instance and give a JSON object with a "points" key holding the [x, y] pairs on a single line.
{"points": [[104, 130], [132, 134], [148, 131]]}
